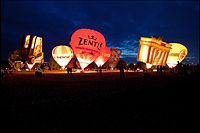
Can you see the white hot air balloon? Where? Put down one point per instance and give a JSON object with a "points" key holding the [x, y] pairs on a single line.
{"points": [[62, 55]]}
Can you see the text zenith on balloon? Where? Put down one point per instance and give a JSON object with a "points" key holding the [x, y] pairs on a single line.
{"points": [[90, 42]]}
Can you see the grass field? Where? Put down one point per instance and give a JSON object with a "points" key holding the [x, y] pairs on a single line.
{"points": [[81, 102]]}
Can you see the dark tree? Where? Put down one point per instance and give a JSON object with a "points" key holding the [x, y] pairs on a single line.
{"points": [[53, 64], [123, 62], [141, 65], [131, 66], [4, 64], [14, 60]]}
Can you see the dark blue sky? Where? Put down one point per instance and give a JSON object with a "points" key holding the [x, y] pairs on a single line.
{"points": [[122, 23]]}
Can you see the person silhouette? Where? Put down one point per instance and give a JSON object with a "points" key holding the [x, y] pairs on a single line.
{"points": [[100, 71], [68, 70], [161, 68], [158, 69], [179, 67], [121, 68]]}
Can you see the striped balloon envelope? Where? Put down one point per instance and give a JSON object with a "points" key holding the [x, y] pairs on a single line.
{"points": [[62, 55]]}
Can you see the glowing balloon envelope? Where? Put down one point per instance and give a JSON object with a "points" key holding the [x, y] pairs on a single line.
{"points": [[177, 53], [62, 55], [30, 66], [87, 45], [153, 51], [114, 57], [101, 59]]}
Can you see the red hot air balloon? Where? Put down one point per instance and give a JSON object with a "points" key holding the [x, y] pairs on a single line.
{"points": [[62, 55], [105, 55], [87, 45]]}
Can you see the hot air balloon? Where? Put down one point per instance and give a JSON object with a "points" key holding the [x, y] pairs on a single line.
{"points": [[153, 51], [31, 50], [114, 57], [87, 45], [62, 55], [177, 53], [101, 59]]}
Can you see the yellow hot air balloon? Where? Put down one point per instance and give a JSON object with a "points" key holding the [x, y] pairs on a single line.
{"points": [[177, 53]]}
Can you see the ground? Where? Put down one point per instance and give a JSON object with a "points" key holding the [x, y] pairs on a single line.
{"points": [[89, 102]]}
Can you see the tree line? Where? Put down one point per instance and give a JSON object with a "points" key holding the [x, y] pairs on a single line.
{"points": [[14, 62]]}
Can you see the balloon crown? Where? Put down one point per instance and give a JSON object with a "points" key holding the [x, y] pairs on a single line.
{"points": [[92, 37]]}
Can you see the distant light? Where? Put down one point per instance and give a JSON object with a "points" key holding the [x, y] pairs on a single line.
{"points": [[171, 65], [148, 65]]}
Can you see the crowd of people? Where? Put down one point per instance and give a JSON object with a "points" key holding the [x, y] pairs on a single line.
{"points": [[185, 69], [181, 69]]}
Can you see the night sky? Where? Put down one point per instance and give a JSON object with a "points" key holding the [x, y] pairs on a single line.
{"points": [[122, 23]]}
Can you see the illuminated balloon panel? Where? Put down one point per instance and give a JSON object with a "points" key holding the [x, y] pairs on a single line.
{"points": [[78, 64], [30, 66], [105, 55], [62, 55], [27, 39], [177, 53], [87, 45], [39, 55]]}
